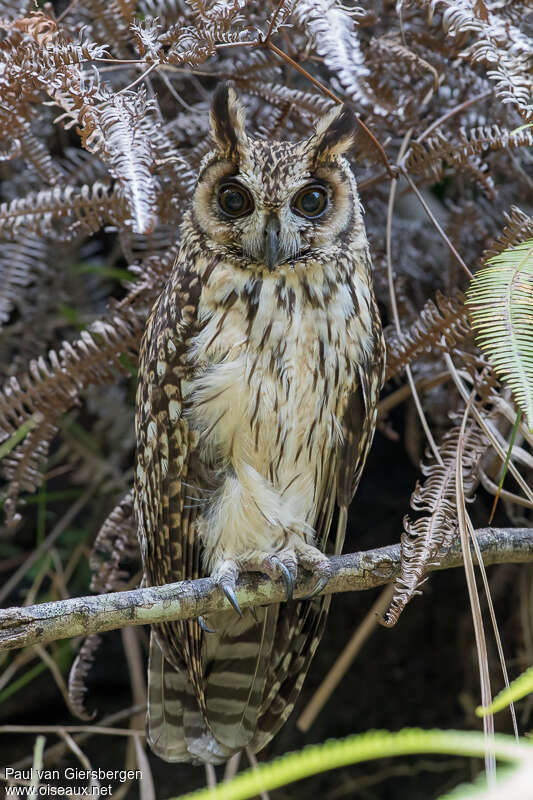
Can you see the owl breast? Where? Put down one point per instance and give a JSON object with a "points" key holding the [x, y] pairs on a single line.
{"points": [[274, 363]]}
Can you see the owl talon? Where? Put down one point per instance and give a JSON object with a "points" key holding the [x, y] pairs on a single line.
{"points": [[204, 626], [229, 591], [288, 580], [319, 585]]}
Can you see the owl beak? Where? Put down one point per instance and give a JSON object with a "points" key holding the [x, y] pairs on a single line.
{"points": [[271, 241]]}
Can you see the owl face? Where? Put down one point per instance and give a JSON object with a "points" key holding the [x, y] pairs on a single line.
{"points": [[268, 204]]}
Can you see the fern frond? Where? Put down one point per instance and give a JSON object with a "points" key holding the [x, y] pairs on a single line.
{"points": [[114, 551], [115, 543], [500, 301], [429, 157], [20, 263], [110, 21], [87, 208], [444, 317], [518, 228], [333, 34], [435, 498], [22, 468], [77, 680], [508, 67], [308, 102], [166, 11], [52, 385], [119, 132]]}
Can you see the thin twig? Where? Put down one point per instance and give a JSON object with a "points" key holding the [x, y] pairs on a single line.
{"points": [[394, 305], [57, 729], [434, 220]]}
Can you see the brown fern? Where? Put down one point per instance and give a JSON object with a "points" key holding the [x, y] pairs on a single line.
{"points": [[446, 317], [425, 537], [115, 546]]}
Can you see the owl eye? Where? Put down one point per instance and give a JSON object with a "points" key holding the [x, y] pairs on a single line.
{"points": [[234, 200], [311, 201]]}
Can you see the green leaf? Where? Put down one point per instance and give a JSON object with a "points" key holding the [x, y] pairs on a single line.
{"points": [[500, 298], [519, 688], [315, 759]]}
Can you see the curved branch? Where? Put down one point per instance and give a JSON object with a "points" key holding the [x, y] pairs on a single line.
{"points": [[80, 616]]}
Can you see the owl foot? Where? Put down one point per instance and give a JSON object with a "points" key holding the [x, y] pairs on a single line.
{"points": [[283, 564], [313, 560], [226, 573]]}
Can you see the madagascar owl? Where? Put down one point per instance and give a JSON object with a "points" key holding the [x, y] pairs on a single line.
{"points": [[260, 369]]}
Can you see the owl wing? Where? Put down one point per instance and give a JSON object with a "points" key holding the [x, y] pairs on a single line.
{"points": [[168, 490], [164, 439], [360, 413]]}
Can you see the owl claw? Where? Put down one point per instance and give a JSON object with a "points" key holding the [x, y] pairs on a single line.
{"points": [[319, 585], [204, 626], [229, 591], [288, 580]]}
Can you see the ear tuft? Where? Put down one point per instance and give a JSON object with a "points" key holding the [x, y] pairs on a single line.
{"points": [[334, 134], [228, 122]]}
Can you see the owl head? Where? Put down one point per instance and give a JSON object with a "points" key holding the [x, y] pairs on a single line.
{"points": [[268, 204]]}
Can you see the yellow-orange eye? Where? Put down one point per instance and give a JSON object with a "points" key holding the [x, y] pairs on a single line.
{"points": [[311, 201], [234, 200]]}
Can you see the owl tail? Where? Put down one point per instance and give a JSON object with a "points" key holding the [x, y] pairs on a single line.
{"points": [[176, 728], [238, 656], [167, 700]]}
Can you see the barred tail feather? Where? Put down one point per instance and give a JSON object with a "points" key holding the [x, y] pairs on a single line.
{"points": [[166, 698], [239, 657]]}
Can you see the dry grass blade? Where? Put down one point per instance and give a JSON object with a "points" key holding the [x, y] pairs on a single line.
{"points": [[465, 531]]}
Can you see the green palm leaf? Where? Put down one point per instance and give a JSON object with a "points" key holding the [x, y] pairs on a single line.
{"points": [[500, 298]]}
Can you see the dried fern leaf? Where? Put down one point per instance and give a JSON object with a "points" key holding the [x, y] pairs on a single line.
{"points": [[429, 157], [116, 546], [500, 302], [445, 317], [422, 539], [496, 44], [309, 102], [518, 228], [111, 20], [22, 468], [333, 35], [20, 263], [53, 385], [86, 208], [120, 133], [77, 680]]}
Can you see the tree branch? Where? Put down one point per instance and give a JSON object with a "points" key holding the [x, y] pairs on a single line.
{"points": [[80, 616]]}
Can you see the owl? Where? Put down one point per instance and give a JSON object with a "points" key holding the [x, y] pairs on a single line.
{"points": [[260, 369]]}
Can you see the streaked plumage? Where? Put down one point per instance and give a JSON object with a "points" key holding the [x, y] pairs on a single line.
{"points": [[260, 370]]}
